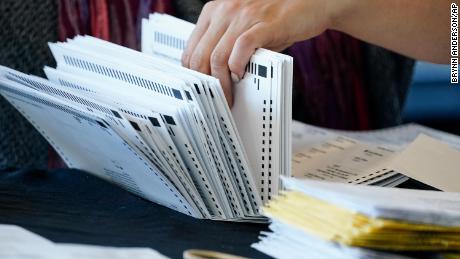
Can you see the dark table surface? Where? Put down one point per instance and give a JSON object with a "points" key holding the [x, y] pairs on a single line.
{"points": [[74, 207]]}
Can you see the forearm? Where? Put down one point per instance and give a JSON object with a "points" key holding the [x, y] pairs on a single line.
{"points": [[419, 29], [229, 31]]}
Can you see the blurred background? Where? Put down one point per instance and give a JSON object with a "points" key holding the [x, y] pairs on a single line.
{"points": [[432, 100]]}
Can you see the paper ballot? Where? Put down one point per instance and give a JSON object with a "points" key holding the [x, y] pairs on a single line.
{"points": [[284, 241], [322, 154], [166, 133], [398, 137], [381, 157], [427, 207], [336, 220], [160, 130], [261, 110], [431, 162], [343, 160]]}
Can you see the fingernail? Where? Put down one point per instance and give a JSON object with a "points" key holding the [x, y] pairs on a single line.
{"points": [[235, 78]]}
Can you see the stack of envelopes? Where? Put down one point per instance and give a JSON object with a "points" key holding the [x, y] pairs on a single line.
{"points": [[369, 217]]}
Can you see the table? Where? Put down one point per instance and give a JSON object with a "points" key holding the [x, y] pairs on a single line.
{"points": [[72, 206]]}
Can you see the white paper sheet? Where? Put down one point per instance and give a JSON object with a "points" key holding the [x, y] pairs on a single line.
{"points": [[430, 207], [261, 109], [431, 162], [398, 137], [343, 160], [19, 243], [287, 242], [72, 132]]}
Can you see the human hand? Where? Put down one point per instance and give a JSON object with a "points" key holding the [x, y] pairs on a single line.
{"points": [[229, 31]]}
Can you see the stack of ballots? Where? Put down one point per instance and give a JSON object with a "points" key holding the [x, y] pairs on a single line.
{"points": [[160, 130], [317, 219]]}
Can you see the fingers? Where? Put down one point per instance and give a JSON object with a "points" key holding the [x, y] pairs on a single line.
{"points": [[200, 58], [222, 46], [199, 30], [219, 61], [255, 37]]}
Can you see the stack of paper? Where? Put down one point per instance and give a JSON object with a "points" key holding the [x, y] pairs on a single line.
{"points": [[339, 218], [160, 130], [262, 108], [166, 133], [398, 137], [384, 157], [18, 243]]}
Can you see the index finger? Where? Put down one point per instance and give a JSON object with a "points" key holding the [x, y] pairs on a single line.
{"points": [[200, 28], [259, 35]]}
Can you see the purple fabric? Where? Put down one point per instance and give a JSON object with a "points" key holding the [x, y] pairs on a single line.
{"points": [[119, 21], [329, 85]]}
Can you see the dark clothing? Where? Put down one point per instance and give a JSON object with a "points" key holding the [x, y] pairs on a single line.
{"points": [[388, 76], [26, 27], [339, 82], [329, 85]]}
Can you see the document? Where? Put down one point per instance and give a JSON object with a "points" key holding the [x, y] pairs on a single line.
{"points": [[19, 243], [321, 219], [11, 234], [166, 133], [91, 252], [284, 241], [429, 207], [344, 160], [398, 137], [159, 130], [431, 162], [262, 101], [384, 157]]}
